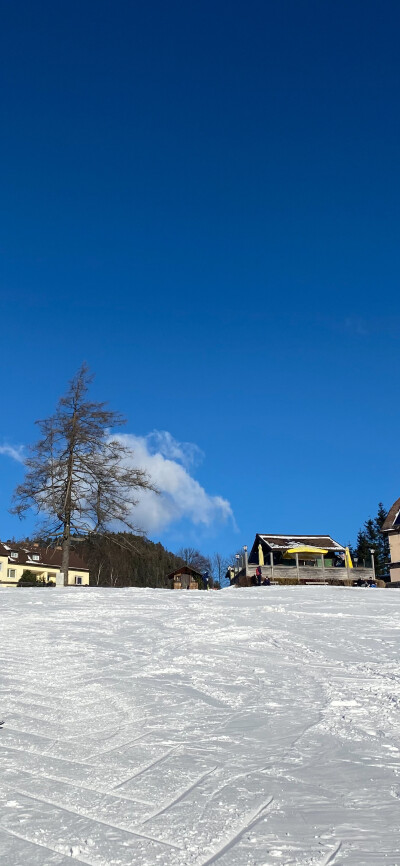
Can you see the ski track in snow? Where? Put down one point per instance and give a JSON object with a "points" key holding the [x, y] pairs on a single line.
{"points": [[241, 728]]}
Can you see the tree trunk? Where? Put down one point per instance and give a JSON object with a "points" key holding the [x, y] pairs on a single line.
{"points": [[99, 570], [66, 543]]}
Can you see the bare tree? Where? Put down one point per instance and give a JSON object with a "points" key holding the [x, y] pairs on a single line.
{"points": [[219, 567], [193, 557], [78, 477]]}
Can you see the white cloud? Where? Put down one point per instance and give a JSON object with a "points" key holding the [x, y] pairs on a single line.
{"points": [[167, 462], [185, 452], [16, 452], [181, 496]]}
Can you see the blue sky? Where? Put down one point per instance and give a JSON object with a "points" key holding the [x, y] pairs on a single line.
{"points": [[201, 200]]}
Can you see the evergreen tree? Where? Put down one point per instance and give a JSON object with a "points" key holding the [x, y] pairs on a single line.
{"points": [[362, 550], [370, 538], [382, 540]]}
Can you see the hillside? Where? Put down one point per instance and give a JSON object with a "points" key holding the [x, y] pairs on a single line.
{"points": [[123, 559]]}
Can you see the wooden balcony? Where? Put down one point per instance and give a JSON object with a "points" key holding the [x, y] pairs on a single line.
{"points": [[304, 574]]}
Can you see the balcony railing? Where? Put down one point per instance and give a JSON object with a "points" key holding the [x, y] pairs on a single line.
{"points": [[309, 573]]}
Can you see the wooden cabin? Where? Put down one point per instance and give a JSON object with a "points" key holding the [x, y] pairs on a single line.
{"points": [[184, 578]]}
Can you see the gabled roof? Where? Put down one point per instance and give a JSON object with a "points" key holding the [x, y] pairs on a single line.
{"points": [[283, 542], [48, 556], [392, 521], [184, 569]]}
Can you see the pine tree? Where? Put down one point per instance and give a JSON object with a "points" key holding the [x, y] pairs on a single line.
{"points": [[362, 550], [370, 538], [382, 540]]}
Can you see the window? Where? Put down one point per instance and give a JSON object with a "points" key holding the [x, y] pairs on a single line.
{"points": [[35, 557], [13, 555], [11, 573], [78, 580]]}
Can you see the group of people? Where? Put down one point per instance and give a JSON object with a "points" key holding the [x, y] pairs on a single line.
{"points": [[261, 581], [361, 582]]}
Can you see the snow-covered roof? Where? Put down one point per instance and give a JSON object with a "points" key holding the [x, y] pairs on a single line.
{"points": [[283, 542], [47, 556]]}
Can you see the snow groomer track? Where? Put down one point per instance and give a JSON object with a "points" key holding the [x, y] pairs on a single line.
{"points": [[248, 727]]}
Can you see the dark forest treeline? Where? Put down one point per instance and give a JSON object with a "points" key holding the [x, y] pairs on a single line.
{"points": [[125, 559]]}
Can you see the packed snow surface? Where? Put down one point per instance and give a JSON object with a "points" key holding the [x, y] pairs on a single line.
{"points": [[257, 726]]}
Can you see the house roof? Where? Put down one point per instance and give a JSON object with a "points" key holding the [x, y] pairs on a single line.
{"points": [[184, 569], [283, 542], [392, 521], [48, 556]]}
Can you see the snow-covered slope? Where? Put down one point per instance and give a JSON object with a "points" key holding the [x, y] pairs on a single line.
{"points": [[256, 726]]}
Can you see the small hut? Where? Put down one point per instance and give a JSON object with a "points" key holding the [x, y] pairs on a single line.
{"points": [[184, 577]]}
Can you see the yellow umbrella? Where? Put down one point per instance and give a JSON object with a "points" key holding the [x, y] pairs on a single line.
{"points": [[304, 549], [260, 555], [347, 558]]}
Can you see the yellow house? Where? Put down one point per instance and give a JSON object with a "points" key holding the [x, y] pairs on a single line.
{"points": [[45, 562]]}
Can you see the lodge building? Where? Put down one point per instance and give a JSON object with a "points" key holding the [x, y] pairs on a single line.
{"points": [[391, 527], [298, 559]]}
